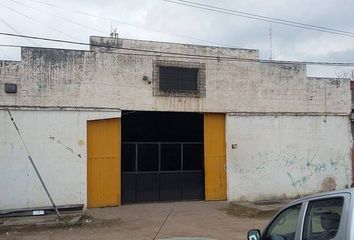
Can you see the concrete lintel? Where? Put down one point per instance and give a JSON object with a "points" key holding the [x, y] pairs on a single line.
{"points": [[58, 108], [287, 114]]}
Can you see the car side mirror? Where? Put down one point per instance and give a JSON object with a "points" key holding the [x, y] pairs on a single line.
{"points": [[254, 234]]}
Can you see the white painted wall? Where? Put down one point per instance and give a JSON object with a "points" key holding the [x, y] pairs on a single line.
{"points": [[286, 156], [54, 139]]}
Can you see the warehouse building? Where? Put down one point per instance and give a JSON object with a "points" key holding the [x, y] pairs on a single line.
{"points": [[138, 121]]}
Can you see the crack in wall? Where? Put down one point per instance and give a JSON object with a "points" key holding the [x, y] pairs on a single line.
{"points": [[65, 146]]}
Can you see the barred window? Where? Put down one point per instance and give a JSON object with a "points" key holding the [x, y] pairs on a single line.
{"points": [[178, 79]]}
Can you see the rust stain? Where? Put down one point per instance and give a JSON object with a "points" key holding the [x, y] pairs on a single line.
{"points": [[328, 184]]}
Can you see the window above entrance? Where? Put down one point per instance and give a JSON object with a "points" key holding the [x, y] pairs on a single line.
{"points": [[179, 79]]}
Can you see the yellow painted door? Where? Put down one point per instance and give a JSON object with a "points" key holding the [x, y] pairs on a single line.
{"points": [[215, 156], [103, 163]]}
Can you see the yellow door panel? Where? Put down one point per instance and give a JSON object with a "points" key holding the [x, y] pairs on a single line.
{"points": [[103, 163], [215, 156]]}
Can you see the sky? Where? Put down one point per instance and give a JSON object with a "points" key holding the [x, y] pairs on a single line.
{"points": [[159, 20]]}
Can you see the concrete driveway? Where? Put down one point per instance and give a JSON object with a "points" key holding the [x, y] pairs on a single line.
{"points": [[199, 219]]}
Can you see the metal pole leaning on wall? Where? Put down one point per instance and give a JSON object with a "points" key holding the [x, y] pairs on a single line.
{"points": [[30, 158]]}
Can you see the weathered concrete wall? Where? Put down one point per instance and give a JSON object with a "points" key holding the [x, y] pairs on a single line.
{"points": [[57, 143], [113, 44], [287, 156], [295, 154], [52, 77]]}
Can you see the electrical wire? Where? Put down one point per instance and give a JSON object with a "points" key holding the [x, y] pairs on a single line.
{"points": [[199, 5], [304, 25], [262, 18], [126, 23], [186, 55], [64, 18], [14, 29], [34, 19]]}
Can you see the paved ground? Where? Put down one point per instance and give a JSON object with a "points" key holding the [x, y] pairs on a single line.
{"points": [[217, 220]]}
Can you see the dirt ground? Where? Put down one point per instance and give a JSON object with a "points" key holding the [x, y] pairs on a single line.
{"points": [[216, 220]]}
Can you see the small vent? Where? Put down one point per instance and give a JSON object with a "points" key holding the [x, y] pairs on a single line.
{"points": [[10, 88]]}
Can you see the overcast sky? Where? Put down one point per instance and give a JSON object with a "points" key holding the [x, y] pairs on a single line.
{"points": [[170, 21]]}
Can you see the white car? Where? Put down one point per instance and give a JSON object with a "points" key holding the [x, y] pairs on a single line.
{"points": [[321, 216]]}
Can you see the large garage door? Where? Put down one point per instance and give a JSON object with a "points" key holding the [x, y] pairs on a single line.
{"points": [[159, 166]]}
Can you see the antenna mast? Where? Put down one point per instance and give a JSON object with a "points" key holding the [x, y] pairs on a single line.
{"points": [[271, 42]]}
